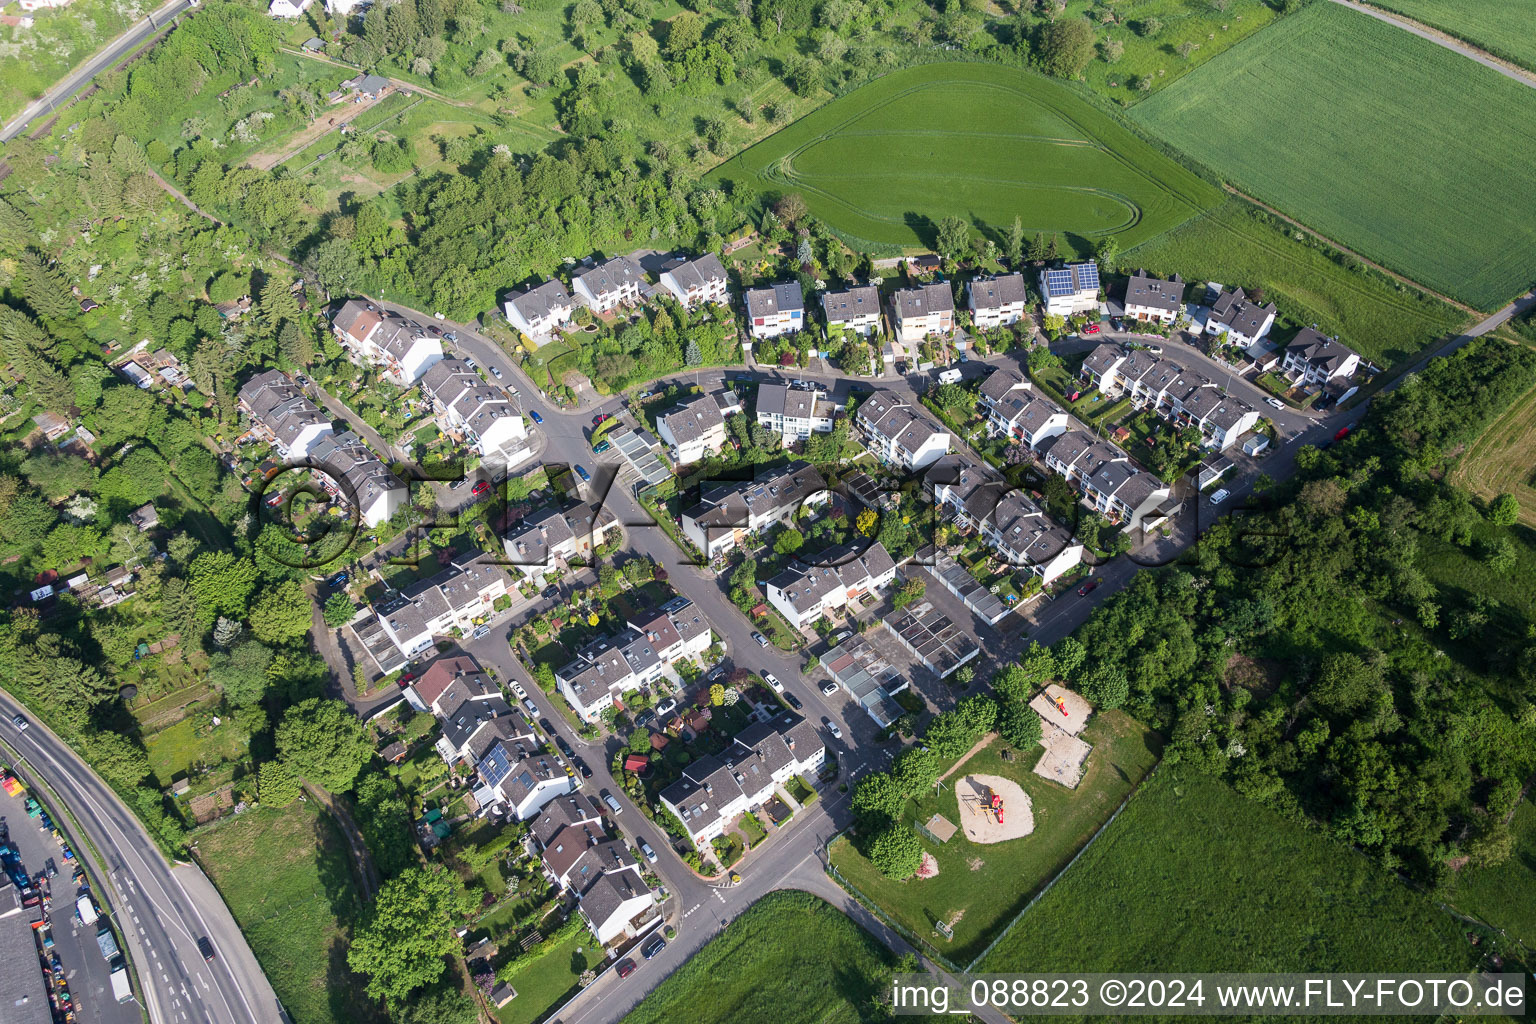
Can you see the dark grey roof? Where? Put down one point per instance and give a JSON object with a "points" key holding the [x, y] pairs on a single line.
{"points": [[776, 298], [780, 488], [924, 299], [607, 895], [537, 303], [345, 457], [997, 292], [1316, 348], [693, 419], [1001, 381], [613, 275], [1142, 290], [851, 304], [696, 273], [1235, 310], [572, 809]]}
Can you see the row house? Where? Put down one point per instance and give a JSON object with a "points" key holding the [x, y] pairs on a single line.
{"points": [[606, 669], [402, 347], [728, 513], [975, 496], [695, 282], [899, 433], [518, 777], [694, 429], [280, 412], [610, 284], [795, 413], [455, 598], [1014, 410], [469, 407], [924, 310], [1071, 289], [997, 301], [468, 704], [545, 537], [1106, 478], [582, 859], [1170, 391], [856, 310], [775, 310], [1152, 299], [805, 593], [714, 790], [540, 311], [1239, 319], [1314, 358], [358, 478]]}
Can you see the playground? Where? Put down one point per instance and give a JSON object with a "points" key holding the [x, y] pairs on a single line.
{"points": [[993, 809]]}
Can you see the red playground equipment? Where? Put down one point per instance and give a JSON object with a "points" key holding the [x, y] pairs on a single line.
{"points": [[1061, 705], [997, 807]]}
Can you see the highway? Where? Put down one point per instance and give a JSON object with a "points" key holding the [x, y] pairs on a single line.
{"points": [[159, 909]]}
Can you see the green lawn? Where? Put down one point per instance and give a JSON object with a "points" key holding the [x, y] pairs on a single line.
{"points": [[1010, 873], [762, 970], [552, 980], [1314, 115], [177, 748], [1193, 877], [285, 875], [1502, 895], [1502, 28], [1239, 245], [986, 143]]}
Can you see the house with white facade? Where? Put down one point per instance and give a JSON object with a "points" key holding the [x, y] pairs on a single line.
{"points": [[775, 310], [1152, 299], [1106, 478], [1071, 289], [606, 669], [459, 597], [1242, 320], [841, 576], [279, 8], [581, 858], [540, 311], [1173, 393], [715, 790], [697, 281], [1014, 409], [924, 310], [694, 429], [727, 513], [856, 310], [997, 301], [280, 412], [469, 408], [978, 498], [610, 284], [402, 347], [520, 777], [358, 478], [536, 544], [1314, 358], [795, 413], [901, 434]]}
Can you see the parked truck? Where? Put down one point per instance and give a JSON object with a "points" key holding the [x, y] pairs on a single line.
{"points": [[120, 988], [107, 941], [85, 909]]}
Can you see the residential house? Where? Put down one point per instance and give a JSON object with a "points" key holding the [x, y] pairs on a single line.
{"points": [[281, 413], [145, 518], [355, 476], [856, 310], [1106, 478], [697, 281], [479, 413], [727, 513], [804, 593], [573, 811], [636, 657], [901, 434], [540, 311], [1071, 289], [550, 534], [997, 301], [775, 310], [610, 284], [694, 429], [614, 903], [455, 598], [1170, 391], [1242, 320], [425, 692], [402, 347], [1314, 358], [1152, 299], [795, 413], [924, 310], [1015, 527], [520, 777], [1014, 410], [284, 8]]}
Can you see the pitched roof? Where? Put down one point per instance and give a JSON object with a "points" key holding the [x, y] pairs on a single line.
{"points": [[1072, 279], [440, 674], [1236, 310], [611, 276], [345, 457], [923, 300], [735, 504], [1154, 292], [693, 419], [997, 292], [1319, 350], [851, 304], [783, 297], [561, 812], [539, 302], [698, 272]]}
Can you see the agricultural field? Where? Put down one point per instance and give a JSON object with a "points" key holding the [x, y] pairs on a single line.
{"points": [[1504, 29], [986, 143], [295, 904], [1240, 245], [989, 884], [1503, 459], [1502, 895], [1311, 115], [1194, 877], [34, 58]]}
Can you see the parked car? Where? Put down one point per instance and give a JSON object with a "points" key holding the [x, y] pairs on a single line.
{"points": [[792, 700], [533, 708], [481, 632], [551, 591], [832, 728], [656, 945], [602, 446], [841, 636], [762, 641], [435, 329], [581, 766], [773, 681], [599, 418], [650, 854], [480, 487], [565, 747], [205, 947], [1091, 329], [626, 967], [533, 414], [829, 687], [495, 373], [581, 471], [613, 805], [1275, 403], [19, 722], [1220, 496], [1089, 587], [1156, 350], [471, 363], [1343, 432], [517, 688], [451, 336], [338, 581], [547, 726]]}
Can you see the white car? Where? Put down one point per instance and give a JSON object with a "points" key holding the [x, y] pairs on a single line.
{"points": [[832, 728], [517, 688], [471, 363], [650, 854], [1156, 350], [829, 688], [19, 722], [773, 681], [495, 373], [1276, 403], [1220, 496]]}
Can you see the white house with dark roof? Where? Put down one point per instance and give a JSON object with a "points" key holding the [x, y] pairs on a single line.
{"points": [[519, 776], [1314, 358], [728, 513], [924, 310], [1242, 320], [1014, 410], [1152, 299], [1173, 393], [997, 301], [697, 281], [694, 429], [468, 407], [535, 545], [856, 310], [540, 311], [454, 598], [610, 284], [281, 412], [842, 575], [614, 902], [901, 434], [1106, 478], [1070, 289], [606, 669], [402, 347], [280, 8], [977, 497], [794, 413], [775, 310], [357, 477]]}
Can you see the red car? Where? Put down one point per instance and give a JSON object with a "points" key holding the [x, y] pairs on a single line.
{"points": [[599, 418], [1342, 434], [481, 487], [626, 967], [1089, 587], [1091, 329]]}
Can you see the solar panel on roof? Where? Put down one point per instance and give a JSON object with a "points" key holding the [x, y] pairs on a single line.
{"points": [[1088, 275], [1059, 280]]}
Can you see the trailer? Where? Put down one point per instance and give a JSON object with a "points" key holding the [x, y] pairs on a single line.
{"points": [[107, 941], [120, 988]]}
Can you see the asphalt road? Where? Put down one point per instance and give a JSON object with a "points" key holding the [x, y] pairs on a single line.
{"points": [[160, 910]]}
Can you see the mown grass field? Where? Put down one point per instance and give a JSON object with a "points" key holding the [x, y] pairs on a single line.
{"points": [[1503, 459], [551, 981], [791, 957], [989, 895], [1193, 877], [1504, 29], [1239, 245], [1502, 895], [986, 143], [1398, 148], [285, 876]]}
